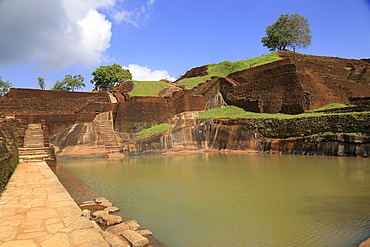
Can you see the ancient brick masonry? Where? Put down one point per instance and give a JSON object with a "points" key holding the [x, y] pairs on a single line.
{"points": [[58, 109], [292, 85], [143, 112]]}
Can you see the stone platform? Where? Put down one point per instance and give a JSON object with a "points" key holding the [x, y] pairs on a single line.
{"points": [[36, 210]]}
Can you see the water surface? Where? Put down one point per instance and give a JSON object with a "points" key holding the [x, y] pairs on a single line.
{"points": [[238, 199]]}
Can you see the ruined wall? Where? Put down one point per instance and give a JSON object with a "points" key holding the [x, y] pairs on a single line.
{"points": [[11, 136], [292, 85], [57, 122], [33, 101], [270, 88], [142, 112], [186, 101], [330, 79], [195, 72], [59, 109]]}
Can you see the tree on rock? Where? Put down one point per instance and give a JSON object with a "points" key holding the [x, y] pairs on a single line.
{"points": [[288, 31], [106, 77], [4, 87], [75, 82], [69, 83], [41, 82]]}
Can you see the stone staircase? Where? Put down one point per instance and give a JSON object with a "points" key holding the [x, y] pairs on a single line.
{"points": [[105, 128], [357, 74], [33, 147], [112, 99]]}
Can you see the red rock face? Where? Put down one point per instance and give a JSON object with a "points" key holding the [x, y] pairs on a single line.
{"points": [[194, 72], [292, 85]]}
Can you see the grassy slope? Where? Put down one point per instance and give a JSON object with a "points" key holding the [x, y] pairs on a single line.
{"points": [[226, 68], [148, 88], [233, 112], [331, 106], [153, 131]]}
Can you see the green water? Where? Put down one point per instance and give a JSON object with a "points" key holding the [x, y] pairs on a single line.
{"points": [[238, 199]]}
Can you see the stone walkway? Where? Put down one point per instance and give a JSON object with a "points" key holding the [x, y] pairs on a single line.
{"points": [[36, 210]]}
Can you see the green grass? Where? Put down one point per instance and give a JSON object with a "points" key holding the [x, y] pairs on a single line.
{"points": [[225, 68], [148, 88], [233, 112], [330, 106], [153, 131]]}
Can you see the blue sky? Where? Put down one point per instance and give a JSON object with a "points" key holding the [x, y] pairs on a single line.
{"points": [[161, 38]]}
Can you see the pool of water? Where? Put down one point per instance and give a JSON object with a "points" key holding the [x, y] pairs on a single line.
{"points": [[215, 199]]}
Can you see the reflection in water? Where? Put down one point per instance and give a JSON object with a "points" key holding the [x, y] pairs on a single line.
{"points": [[238, 199]]}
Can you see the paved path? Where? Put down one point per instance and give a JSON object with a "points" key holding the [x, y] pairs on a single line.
{"points": [[36, 210]]}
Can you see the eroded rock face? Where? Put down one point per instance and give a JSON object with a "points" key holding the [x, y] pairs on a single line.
{"points": [[191, 134]]}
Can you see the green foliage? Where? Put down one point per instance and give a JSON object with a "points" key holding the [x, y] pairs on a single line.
{"points": [[225, 68], [69, 83], [108, 76], [148, 88], [193, 81], [59, 86], [41, 82], [4, 87], [153, 131], [233, 112], [75, 82], [288, 31], [330, 106]]}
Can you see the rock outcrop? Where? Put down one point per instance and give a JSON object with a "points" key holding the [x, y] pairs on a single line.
{"points": [[293, 85], [188, 134], [88, 140]]}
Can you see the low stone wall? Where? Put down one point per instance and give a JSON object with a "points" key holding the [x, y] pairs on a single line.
{"points": [[10, 132]]}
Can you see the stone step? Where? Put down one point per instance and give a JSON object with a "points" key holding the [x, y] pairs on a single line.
{"points": [[32, 149], [25, 153], [29, 157]]}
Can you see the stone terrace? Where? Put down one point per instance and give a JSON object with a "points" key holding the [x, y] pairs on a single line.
{"points": [[33, 101], [36, 210]]}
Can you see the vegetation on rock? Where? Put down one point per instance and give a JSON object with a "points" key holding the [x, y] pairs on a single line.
{"points": [[233, 112], [288, 31], [284, 126], [148, 88], [153, 131], [226, 68], [106, 77], [41, 82], [69, 83], [4, 87], [330, 106]]}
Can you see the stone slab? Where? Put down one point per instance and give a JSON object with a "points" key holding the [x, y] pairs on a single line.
{"points": [[36, 210]]}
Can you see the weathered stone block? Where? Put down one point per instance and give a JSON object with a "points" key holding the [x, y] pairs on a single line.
{"points": [[106, 204], [118, 229], [111, 209], [133, 225], [109, 220], [135, 238], [114, 241], [145, 233]]}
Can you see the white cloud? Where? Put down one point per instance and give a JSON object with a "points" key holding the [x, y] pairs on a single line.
{"points": [[140, 73], [54, 34], [60, 33]]}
